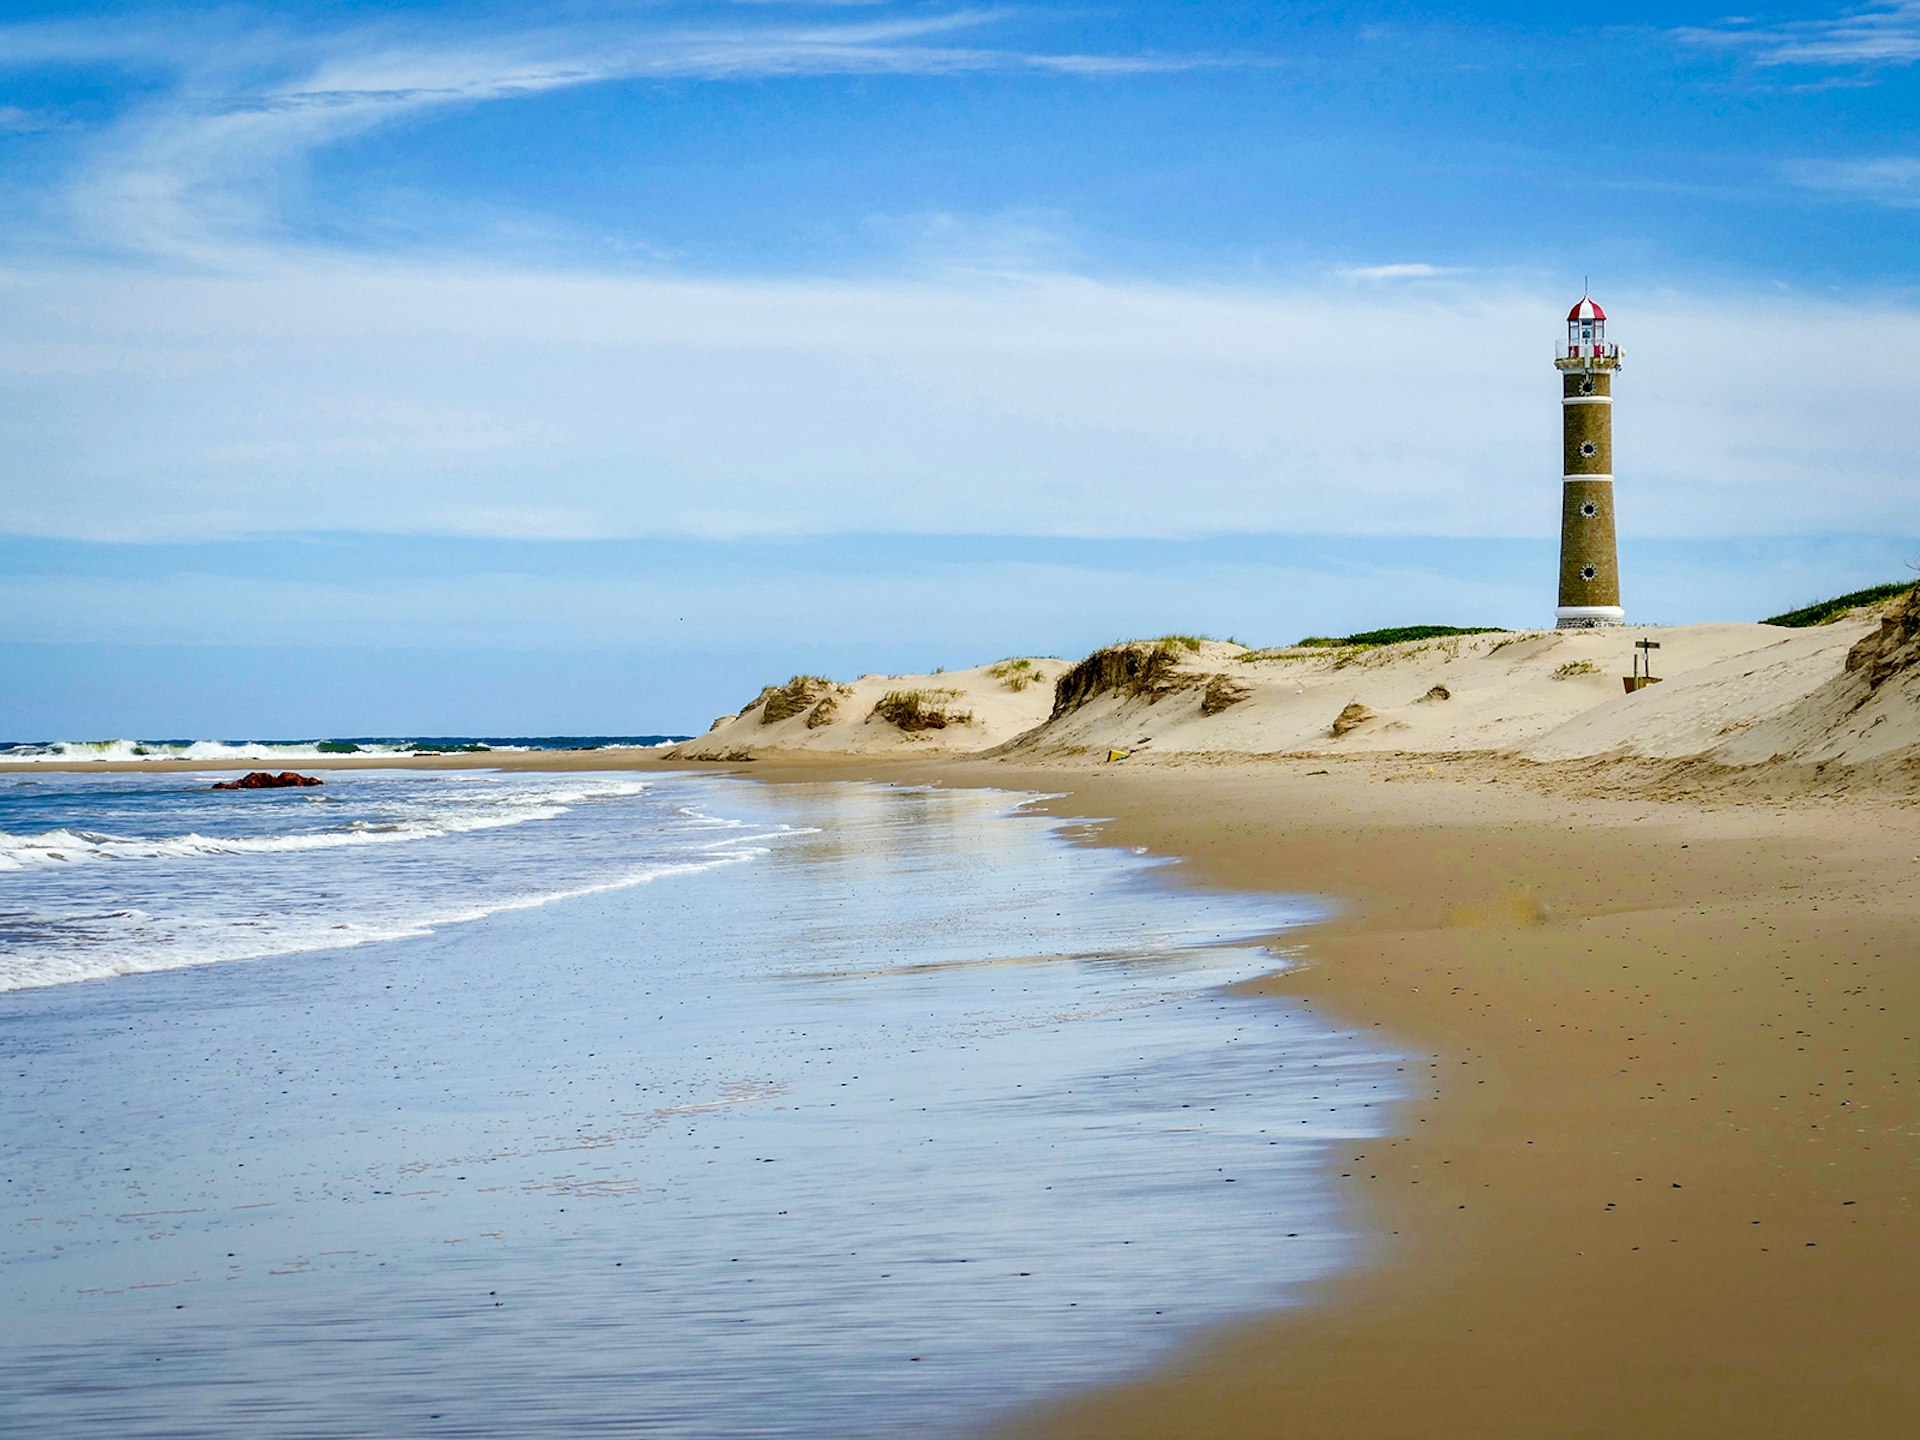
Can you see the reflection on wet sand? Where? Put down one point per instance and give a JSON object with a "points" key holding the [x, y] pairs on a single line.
{"points": [[922, 1107]]}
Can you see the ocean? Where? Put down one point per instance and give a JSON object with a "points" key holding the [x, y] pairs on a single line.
{"points": [[615, 1104], [287, 752]]}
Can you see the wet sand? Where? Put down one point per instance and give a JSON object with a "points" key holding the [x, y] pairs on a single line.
{"points": [[803, 1141], [1666, 1179]]}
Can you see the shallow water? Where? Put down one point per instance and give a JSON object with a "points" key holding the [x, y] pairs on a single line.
{"points": [[914, 1114]]}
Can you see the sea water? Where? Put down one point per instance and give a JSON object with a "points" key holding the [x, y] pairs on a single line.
{"points": [[287, 752], [623, 1106]]}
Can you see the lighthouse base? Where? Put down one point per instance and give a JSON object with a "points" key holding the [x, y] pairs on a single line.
{"points": [[1588, 617]]}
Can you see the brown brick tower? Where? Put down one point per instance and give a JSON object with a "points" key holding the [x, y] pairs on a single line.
{"points": [[1589, 558]]}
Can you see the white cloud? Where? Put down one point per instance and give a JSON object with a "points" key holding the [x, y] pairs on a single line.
{"points": [[202, 171], [1870, 36], [1418, 270], [274, 387], [451, 399], [1886, 179]]}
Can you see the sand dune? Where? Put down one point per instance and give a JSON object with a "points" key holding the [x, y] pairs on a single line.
{"points": [[945, 714], [1731, 694]]}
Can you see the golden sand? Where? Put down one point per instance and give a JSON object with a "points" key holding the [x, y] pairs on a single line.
{"points": [[1665, 1181]]}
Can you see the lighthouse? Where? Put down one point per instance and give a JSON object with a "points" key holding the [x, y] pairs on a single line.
{"points": [[1589, 556]]}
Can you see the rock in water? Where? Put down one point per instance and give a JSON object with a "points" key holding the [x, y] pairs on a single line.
{"points": [[264, 780]]}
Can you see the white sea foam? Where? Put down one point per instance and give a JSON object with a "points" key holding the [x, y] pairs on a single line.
{"points": [[138, 873], [135, 952], [470, 810], [68, 752], [66, 847]]}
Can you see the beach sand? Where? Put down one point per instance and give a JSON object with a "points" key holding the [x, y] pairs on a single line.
{"points": [[1666, 1181], [1665, 1178]]}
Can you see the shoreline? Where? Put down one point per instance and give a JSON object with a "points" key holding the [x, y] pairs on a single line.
{"points": [[1665, 1181], [583, 1098]]}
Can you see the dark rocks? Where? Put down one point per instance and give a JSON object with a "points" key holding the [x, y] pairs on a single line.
{"points": [[265, 780]]}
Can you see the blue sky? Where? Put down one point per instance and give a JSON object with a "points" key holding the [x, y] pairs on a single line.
{"points": [[574, 368]]}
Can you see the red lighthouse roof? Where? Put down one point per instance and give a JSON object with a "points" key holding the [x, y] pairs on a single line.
{"points": [[1587, 309]]}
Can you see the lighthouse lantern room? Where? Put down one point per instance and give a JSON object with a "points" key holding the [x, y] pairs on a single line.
{"points": [[1589, 555]]}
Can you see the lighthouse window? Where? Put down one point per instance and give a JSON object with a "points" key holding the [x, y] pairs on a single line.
{"points": [[1586, 387], [1587, 447], [1587, 572], [1589, 509]]}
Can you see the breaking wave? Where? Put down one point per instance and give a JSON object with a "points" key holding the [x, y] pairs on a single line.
{"points": [[68, 752], [67, 847], [132, 873]]}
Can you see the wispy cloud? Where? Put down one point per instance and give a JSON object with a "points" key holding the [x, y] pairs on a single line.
{"points": [[16, 121], [207, 166], [1137, 64], [1872, 36], [1417, 270], [1892, 180]]}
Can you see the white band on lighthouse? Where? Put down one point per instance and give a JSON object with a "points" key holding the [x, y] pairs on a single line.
{"points": [[1603, 479], [1604, 613], [1586, 399]]}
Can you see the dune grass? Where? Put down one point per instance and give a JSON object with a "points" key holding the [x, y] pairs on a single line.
{"points": [[1394, 634], [1136, 667], [1823, 612], [914, 710], [1016, 675], [783, 702]]}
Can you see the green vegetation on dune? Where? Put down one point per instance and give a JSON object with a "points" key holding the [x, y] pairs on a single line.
{"points": [[913, 710], [1134, 667], [1393, 635], [1825, 611], [1016, 675]]}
